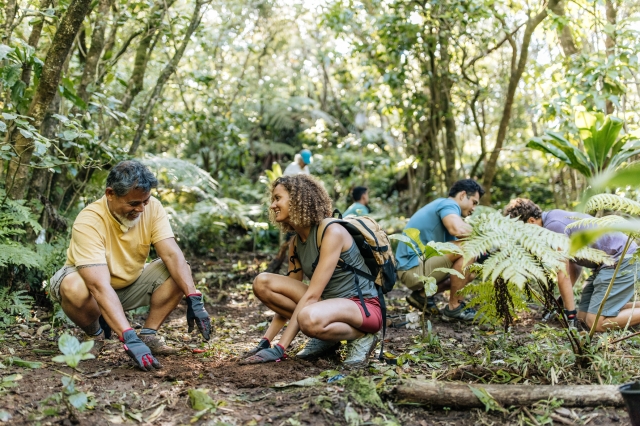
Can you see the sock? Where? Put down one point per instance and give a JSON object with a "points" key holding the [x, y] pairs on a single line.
{"points": [[93, 329], [147, 331]]}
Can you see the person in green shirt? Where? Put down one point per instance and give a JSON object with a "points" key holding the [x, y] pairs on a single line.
{"points": [[360, 207]]}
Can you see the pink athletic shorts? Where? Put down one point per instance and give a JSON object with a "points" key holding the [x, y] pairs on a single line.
{"points": [[373, 322]]}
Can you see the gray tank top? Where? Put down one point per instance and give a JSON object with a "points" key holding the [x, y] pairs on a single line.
{"points": [[342, 283]]}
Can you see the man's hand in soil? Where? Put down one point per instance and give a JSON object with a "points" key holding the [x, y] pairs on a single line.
{"points": [[138, 351], [276, 353], [196, 315]]}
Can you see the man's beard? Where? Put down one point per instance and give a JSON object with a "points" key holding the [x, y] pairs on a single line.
{"points": [[127, 222]]}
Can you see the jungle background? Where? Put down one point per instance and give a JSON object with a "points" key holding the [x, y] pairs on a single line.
{"points": [[404, 97]]}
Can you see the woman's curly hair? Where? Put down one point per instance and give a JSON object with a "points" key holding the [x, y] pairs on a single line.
{"points": [[522, 208], [309, 202]]}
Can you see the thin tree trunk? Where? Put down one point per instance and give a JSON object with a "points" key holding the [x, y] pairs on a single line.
{"points": [[564, 35], [514, 79], [11, 9], [610, 39], [95, 50], [70, 23], [34, 39], [166, 73], [481, 133], [143, 52]]}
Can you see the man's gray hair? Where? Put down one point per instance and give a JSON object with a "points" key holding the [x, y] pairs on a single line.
{"points": [[128, 175]]}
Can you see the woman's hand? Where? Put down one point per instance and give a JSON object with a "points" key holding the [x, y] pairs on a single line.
{"points": [[274, 354]]}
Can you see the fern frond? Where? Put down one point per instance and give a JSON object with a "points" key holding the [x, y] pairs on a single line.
{"points": [[593, 222], [612, 202], [12, 254], [12, 304], [594, 255]]}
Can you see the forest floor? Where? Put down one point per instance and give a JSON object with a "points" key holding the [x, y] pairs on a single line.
{"points": [[264, 394]]}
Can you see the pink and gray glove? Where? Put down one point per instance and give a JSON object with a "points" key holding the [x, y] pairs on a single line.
{"points": [[138, 351]]}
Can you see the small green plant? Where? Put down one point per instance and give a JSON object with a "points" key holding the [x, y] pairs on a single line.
{"points": [[411, 237], [201, 401], [72, 353]]}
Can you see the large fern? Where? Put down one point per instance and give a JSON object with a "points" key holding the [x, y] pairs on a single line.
{"points": [[13, 304], [612, 202], [522, 257], [15, 218]]}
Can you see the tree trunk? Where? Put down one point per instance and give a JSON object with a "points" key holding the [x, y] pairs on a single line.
{"points": [[610, 40], [458, 395], [143, 52], [11, 9], [564, 35], [514, 79], [450, 172], [70, 23], [95, 50], [34, 39], [166, 73]]}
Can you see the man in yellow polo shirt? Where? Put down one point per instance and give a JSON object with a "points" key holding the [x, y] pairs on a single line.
{"points": [[106, 275]]}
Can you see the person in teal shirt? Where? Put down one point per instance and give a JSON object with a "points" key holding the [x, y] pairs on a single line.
{"points": [[441, 221], [360, 207]]}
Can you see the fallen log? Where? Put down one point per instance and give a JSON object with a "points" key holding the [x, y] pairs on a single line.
{"points": [[460, 395]]}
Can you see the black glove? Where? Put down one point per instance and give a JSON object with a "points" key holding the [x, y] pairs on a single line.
{"points": [[264, 344], [276, 353], [138, 351], [198, 316]]}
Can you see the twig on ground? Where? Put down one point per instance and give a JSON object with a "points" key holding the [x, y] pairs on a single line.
{"points": [[531, 416]]}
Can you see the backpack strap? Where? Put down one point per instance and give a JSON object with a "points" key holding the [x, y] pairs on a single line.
{"points": [[336, 212], [383, 311], [295, 257], [344, 265]]}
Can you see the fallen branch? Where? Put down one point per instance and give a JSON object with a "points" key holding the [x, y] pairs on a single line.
{"points": [[459, 395]]}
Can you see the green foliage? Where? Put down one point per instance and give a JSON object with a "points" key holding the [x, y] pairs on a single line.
{"points": [[13, 304], [362, 390], [201, 401], [15, 219], [598, 135], [73, 351]]}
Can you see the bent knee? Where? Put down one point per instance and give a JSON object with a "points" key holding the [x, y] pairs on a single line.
{"points": [[74, 290], [310, 322], [261, 283]]}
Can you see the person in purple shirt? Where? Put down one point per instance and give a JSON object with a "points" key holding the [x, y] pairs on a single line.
{"points": [[618, 309]]}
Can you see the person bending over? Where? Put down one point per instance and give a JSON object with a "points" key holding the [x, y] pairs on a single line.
{"points": [[105, 273], [360, 206], [329, 309], [441, 221], [618, 309]]}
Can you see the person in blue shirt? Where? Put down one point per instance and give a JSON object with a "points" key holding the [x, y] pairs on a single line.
{"points": [[441, 221], [360, 206]]}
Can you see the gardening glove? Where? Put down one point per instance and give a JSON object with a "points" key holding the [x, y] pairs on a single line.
{"points": [[138, 351], [197, 315], [264, 344], [276, 353]]}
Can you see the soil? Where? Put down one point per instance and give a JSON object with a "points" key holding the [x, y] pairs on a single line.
{"points": [[243, 394]]}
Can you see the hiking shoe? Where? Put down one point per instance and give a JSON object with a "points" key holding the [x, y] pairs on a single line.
{"points": [[98, 343], [358, 350], [461, 313], [316, 347], [417, 300], [157, 344]]}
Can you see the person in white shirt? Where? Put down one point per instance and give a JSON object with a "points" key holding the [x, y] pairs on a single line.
{"points": [[300, 164]]}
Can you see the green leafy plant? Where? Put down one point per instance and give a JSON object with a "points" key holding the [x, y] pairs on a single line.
{"points": [[595, 148], [411, 237], [201, 401], [72, 353]]}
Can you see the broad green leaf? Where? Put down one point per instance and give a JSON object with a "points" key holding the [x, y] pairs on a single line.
{"points": [[627, 176], [23, 363], [414, 234], [4, 51], [605, 137], [68, 344], [485, 397], [449, 271], [3, 126], [406, 240], [8, 116], [86, 346], [199, 399], [584, 238], [79, 400]]}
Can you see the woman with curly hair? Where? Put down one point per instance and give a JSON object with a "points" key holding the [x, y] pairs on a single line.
{"points": [[328, 310]]}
